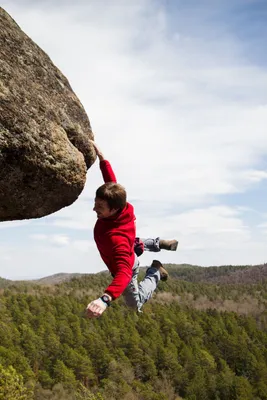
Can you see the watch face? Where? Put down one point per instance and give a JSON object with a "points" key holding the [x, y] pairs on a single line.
{"points": [[105, 298]]}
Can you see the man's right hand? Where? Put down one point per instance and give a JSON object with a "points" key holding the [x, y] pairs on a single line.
{"points": [[99, 153]]}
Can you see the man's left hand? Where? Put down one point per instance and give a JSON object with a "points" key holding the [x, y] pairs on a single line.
{"points": [[95, 308]]}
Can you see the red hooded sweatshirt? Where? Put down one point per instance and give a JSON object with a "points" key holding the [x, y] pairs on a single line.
{"points": [[115, 238]]}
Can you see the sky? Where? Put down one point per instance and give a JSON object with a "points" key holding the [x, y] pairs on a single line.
{"points": [[176, 93]]}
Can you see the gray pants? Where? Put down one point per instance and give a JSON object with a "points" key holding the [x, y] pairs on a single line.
{"points": [[137, 294], [151, 244]]}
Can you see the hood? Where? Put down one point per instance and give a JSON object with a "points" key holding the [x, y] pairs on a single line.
{"points": [[124, 217]]}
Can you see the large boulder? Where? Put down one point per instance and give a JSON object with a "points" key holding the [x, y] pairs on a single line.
{"points": [[44, 130]]}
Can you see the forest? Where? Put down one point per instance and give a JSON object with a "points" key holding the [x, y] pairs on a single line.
{"points": [[202, 336]]}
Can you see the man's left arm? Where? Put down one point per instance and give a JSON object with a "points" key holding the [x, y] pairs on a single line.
{"points": [[123, 264], [105, 167], [98, 306]]}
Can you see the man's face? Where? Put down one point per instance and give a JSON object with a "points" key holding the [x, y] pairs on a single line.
{"points": [[102, 209]]}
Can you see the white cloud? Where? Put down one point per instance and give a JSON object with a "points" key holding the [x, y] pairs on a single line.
{"points": [[207, 236], [181, 115], [45, 259], [39, 236], [79, 217], [13, 224], [211, 227], [61, 240], [83, 245], [263, 225]]}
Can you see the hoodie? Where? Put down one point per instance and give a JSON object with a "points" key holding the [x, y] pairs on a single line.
{"points": [[115, 238]]}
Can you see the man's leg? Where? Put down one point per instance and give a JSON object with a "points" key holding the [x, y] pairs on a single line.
{"points": [[151, 244], [158, 244], [137, 295], [131, 293]]}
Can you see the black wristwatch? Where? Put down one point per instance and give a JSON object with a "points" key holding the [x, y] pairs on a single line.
{"points": [[105, 299]]}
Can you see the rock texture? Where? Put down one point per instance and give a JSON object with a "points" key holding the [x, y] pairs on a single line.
{"points": [[44, 130]]}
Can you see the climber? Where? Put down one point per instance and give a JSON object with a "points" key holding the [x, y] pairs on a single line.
{"points": [[115, 237]]}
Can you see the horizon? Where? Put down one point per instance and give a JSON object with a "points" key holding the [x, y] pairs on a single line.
{"points": [[20, 279]]}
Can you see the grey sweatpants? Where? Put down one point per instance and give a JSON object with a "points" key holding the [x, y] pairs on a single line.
{"points": [[137, 294], [151, 244]]}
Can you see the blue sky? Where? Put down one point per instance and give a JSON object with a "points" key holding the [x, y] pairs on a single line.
{"points": [[176, 92]]}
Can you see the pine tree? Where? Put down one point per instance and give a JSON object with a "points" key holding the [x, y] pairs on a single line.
{"points": [[12, 386]]}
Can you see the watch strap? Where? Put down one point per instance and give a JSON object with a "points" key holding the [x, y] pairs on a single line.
{"points": [[105, 300]]}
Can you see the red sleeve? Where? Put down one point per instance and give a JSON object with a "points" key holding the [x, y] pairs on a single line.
{"points": [[122, 264], [107, 172]]}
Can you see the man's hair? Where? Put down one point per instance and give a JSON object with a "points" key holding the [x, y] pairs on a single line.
{"points": [[114, 194]]}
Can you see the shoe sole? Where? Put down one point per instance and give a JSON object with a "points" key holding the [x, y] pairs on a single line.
{"points": [[174, 246], [164, 278], [163, 274]]}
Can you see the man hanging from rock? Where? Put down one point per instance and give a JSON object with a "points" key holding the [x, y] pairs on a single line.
{"points": [[115, 237]]}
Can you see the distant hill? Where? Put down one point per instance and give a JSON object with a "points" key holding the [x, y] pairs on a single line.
{"points": [[63, 277], [48, 280], [57, 278], [4, 283], [226, 274]]}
